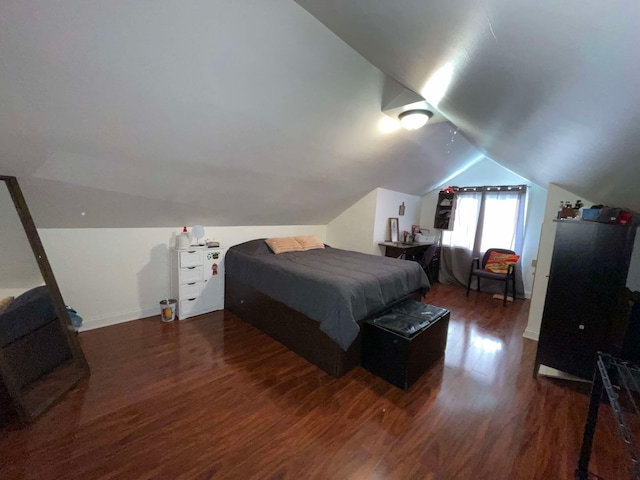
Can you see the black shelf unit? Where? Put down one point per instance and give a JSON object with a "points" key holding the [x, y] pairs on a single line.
{"points": [[445, 211], [620, 381]]}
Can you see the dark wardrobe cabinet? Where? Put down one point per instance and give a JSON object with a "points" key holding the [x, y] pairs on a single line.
{"points": [[589, 302]]}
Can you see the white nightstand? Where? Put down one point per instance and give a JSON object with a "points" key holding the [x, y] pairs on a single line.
{"points": [[197, 280]]}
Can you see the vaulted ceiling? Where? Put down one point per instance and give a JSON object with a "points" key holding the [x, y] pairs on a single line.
{"points": [[255, 113], [548, 89]]}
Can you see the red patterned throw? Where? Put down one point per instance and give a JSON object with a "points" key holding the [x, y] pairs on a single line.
{"points": [[499, 262]]}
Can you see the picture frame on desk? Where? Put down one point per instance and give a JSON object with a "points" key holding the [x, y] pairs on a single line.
{"points": [[394, 229]]}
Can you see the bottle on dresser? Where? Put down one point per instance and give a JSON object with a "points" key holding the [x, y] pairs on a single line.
{"points": [[182, 239]]}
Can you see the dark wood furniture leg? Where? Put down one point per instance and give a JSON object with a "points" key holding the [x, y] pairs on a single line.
{"points": [[582, 472], [506, 292], [474, 263]]}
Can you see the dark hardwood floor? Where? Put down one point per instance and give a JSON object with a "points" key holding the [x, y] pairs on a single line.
{"points": [[212, 397]]}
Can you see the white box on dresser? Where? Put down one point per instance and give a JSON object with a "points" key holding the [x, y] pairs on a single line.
{"points": [[197, 280]]}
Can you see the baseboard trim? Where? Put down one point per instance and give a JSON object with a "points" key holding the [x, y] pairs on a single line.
{"points": [[531, 334], [115, 318]]}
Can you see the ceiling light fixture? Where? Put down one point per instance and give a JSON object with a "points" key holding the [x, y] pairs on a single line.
{"points": [[414, 119]]}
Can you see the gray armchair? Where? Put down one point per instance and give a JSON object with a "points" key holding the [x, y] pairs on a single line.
{"points": [[478, 270]]}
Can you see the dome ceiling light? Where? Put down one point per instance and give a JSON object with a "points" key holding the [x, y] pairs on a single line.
{"points": [[405, 108], [414, 119]]}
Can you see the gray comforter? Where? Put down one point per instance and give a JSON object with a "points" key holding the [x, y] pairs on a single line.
{"points": [[335, 287]]}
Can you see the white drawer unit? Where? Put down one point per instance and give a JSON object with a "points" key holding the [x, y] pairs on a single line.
{"points": [[190, 290], [191, 274], [197, 280], [190, 258], [188, 308]]}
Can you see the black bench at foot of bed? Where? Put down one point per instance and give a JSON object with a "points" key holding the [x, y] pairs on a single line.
{"points": [[404, 343], [295, 330]]}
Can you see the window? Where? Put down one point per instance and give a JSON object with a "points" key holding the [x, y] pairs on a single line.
{"points": [[500, 221], [484, 217], [465, 221], [491, 212]]}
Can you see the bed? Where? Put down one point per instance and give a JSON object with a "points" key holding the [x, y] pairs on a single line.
{"points": [[314, 302]]}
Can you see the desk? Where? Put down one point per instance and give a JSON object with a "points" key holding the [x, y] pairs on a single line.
{"points": [[410, 251], [415, 252]]}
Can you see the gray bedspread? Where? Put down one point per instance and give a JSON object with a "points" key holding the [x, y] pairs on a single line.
{"points": [[335, 287]]}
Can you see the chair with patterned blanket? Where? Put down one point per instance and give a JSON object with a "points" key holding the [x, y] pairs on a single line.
{"points": [[497, 264]]}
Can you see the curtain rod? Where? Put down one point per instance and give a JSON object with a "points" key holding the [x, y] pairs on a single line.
{"points": [[497, 188]]}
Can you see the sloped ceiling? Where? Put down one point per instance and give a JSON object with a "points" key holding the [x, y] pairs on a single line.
{"points": [[548, 89], [164, 113]]}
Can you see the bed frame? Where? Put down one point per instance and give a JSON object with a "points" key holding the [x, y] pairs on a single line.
{"points": [[294, 329]]}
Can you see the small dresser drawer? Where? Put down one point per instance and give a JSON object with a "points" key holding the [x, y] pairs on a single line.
{"points": [[187, 307], [190, 258], [190, 275], [191, 290]]}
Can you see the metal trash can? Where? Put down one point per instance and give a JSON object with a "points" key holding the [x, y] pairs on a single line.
{"points": [[168, 310]]}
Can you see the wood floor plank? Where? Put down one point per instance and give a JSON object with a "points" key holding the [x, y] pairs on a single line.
{"points": [[212, 397]]}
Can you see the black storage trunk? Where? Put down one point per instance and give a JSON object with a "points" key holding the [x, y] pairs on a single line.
{"points": [[402, 344]]}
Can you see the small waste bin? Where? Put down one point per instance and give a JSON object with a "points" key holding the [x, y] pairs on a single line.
{"points": [[168, 310]]}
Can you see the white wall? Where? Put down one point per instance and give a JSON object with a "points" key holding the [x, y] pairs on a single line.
{"points": [[366, 223], [555, 195], [428, 211], [488, 172], [19, 268], [113, 275], [387, 205], [353, 228]]}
